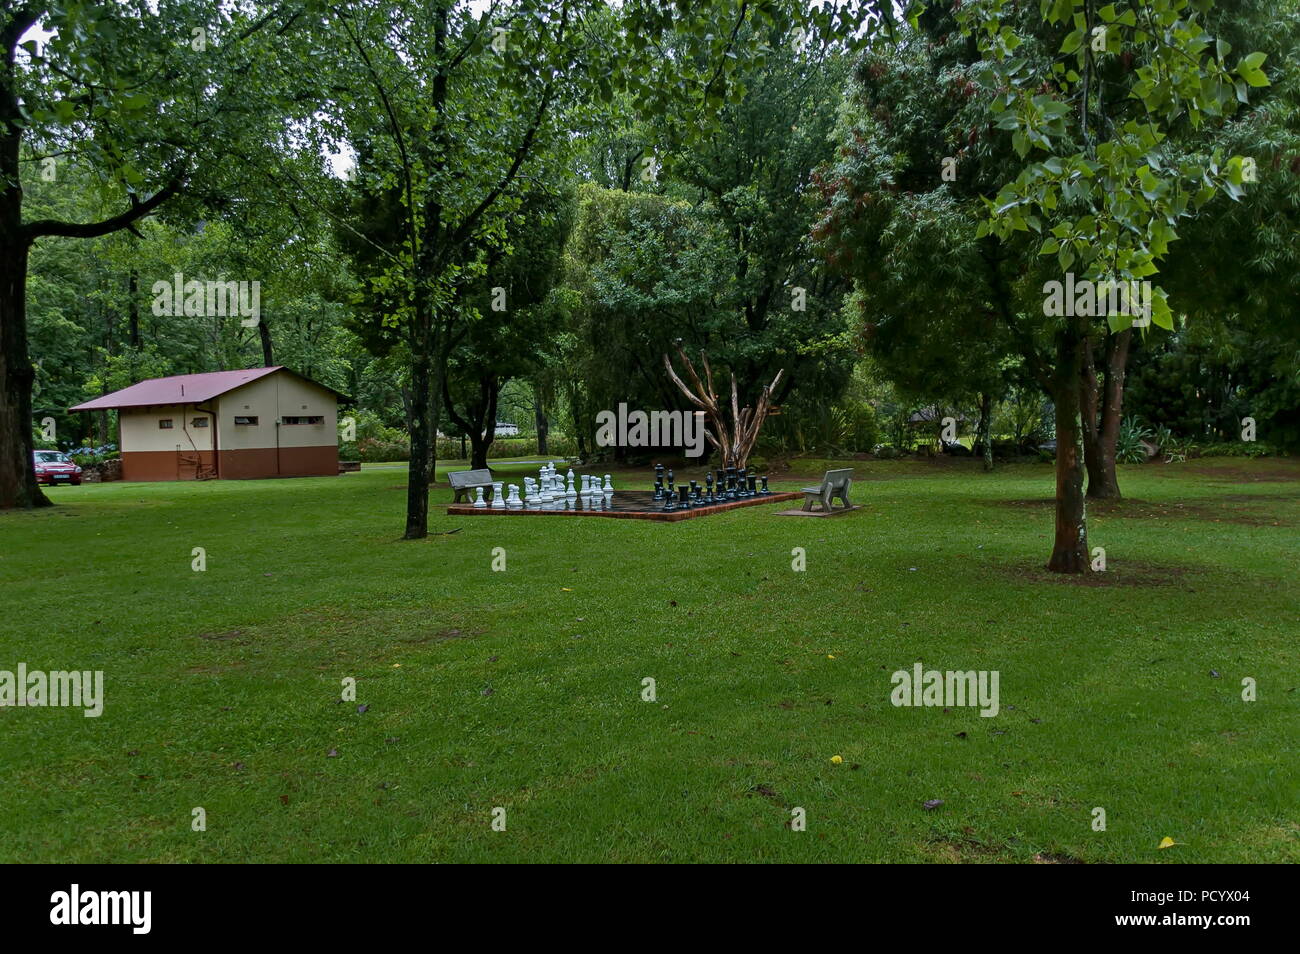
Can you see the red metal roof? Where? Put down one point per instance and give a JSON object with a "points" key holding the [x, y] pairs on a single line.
{"points": [[178, 389]]}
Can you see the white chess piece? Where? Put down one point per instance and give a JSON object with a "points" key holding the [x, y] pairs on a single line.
{"points": [[513, 500], [569, 475], [586, 485], [569, 491], [479, 502], [609, 487], [498, 501]]}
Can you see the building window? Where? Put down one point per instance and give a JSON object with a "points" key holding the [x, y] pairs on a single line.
{"points": [[304, 420], [165, 424], [248, 421], [199, 422]]}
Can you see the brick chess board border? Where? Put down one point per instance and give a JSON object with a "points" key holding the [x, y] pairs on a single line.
{"points": [[666, 516]]}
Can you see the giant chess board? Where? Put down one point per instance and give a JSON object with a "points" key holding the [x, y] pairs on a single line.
{"points": [[630, 504], [586, 495]]}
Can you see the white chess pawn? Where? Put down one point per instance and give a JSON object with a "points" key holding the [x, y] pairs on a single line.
{"points": [[513, 500], [479, 502], [498, 501], [609, 487]]}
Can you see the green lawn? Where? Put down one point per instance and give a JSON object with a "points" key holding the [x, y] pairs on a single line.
{"points": [[522, 689]]}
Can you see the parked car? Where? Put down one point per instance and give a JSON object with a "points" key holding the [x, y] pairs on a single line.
{"points": [[55, 467]]}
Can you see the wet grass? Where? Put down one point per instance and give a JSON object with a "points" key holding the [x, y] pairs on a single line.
{"points": [[523, 689]]}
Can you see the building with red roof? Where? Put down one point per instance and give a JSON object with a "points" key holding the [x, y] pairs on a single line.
{"points": [[261, 422]]}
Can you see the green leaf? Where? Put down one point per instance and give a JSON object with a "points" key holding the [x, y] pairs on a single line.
{"points": [[1249, 69]]}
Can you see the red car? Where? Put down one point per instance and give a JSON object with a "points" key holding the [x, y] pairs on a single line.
{"points": [[53, 467]]}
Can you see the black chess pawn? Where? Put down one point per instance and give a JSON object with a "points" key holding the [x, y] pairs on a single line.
{"points": [[753, 490], [765, 490], [685, 500], [670, 501]]}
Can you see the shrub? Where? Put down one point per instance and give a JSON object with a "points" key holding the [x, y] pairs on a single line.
{"points": [[1129, 448]]}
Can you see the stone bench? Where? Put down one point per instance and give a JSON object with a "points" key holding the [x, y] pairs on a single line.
{"points": [[836, 483], [465, 482]]}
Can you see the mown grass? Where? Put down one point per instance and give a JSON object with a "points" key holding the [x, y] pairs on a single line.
{"points": [[523, 689]]}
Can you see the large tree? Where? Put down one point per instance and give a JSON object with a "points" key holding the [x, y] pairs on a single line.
{"points": [[148, 100], [1104, 197]]}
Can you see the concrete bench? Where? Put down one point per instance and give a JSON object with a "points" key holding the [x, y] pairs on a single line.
{"points": [[466, 481], [836, 483]]}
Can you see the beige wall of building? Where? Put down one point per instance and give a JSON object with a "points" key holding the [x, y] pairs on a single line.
{"points": [[142, 431], [271, 399]]}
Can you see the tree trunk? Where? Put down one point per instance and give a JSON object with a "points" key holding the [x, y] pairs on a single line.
{"points": [[543, 427], [18, 487], [1070, 547], [487, 431], [133, 309], [421, 426], [264, 333], [985, 429], [1101, 426]]}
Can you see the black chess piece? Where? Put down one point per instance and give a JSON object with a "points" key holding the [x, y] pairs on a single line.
{"points": [[685, 501], [753, 490], [708, 488], [765, 490]]}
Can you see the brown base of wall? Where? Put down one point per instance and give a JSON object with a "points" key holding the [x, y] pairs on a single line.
{"points": [[242, 464]]}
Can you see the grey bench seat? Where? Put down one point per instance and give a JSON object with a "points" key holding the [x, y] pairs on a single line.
{"points": [[836, 483], [466, 481]]}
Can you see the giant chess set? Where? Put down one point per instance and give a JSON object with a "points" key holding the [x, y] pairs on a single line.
{"points": [[551, 492]]}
